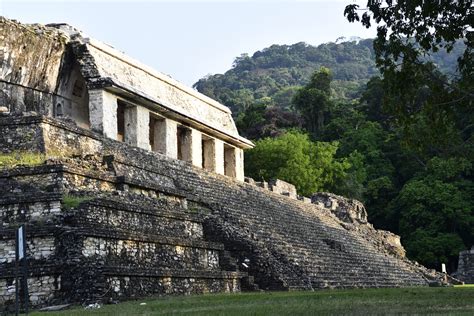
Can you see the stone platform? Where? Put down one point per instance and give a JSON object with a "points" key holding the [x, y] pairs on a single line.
{"points": [[108, 222]]}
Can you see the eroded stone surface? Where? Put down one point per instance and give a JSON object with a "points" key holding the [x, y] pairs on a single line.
{"points": [[108, 219], [465, 270], [347, 210], [161, 222], [56, 71]]}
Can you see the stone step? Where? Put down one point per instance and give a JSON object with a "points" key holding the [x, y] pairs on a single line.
{"points": [[167, 221], [139, 254], [181, 273], [112, 245]]}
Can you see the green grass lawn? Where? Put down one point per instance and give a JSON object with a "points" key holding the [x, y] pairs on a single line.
{"points": [[441, 301]]}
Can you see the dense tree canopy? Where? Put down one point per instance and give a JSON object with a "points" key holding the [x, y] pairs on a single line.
{"points": [[431, 114], [277, 72], [399, 138], [313, 101], [408, 30], [293, 157]]}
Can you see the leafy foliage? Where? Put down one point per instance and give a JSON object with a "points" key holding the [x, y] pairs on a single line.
{"points": [[263, 120], [21, 158], [436, 211], [408, 30], [276, 72], [431, 113], [313, 101], [400, 140], [72, 201], [293, 157]]}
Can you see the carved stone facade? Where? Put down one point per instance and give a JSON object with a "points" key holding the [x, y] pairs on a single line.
{"points": [[56, 71]]}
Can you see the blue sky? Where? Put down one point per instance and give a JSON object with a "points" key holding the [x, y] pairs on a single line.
{"points": [[189, 39]]}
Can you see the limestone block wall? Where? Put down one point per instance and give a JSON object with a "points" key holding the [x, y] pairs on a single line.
{"points": [[16, 134], [81, 254], [148, 253], [465, 271], [28, 211], [32, 56], [118, 241], [284, 188], [39, 248], [41, 289], [129, 287]]}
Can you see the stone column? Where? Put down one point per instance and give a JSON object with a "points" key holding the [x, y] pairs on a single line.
{"points": [[219, 156], [166, 137], [239, 164], [137, 120], [190, 144], [234, 162], [213, 153], [209, 154], [230, 161], [196, 148], [103, 112]]}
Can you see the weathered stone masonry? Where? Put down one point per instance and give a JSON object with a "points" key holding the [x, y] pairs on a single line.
{"points": [[465, 271], [150, 224], [142, 192], [54, 70]]}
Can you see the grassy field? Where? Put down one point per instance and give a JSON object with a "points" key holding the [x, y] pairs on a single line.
{"points": [[440, 301]]}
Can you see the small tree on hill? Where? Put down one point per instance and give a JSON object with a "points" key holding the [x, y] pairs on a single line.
{"points": [[293, 157], [313, 101]]}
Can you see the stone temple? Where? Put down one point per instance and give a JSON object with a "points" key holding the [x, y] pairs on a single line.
{"points": [[132, 185], [105, 91]]}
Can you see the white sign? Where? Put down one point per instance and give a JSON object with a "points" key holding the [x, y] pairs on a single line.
{"points": [[443, 268], [21, 250]]}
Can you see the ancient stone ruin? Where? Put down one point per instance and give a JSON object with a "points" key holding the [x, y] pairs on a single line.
{"points": [[134, 186], [57, 72], [465, 270]]}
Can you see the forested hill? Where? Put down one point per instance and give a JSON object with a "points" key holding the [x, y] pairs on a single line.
{"points": [[272, 75], [322, 119]]}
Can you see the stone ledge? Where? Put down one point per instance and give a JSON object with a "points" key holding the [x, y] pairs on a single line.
{"points": [[107, 233], [153, 272], [150, 168], [34, 118], [46, 231], [102, 232], [56, 168], [7, 199], [165, 211], [31, 170], [44, 269], [126, 180]]}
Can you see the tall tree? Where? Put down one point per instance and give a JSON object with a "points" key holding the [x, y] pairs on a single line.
{"points": [[433, 114], [293, 157], [409, 29], [313, 101]]}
